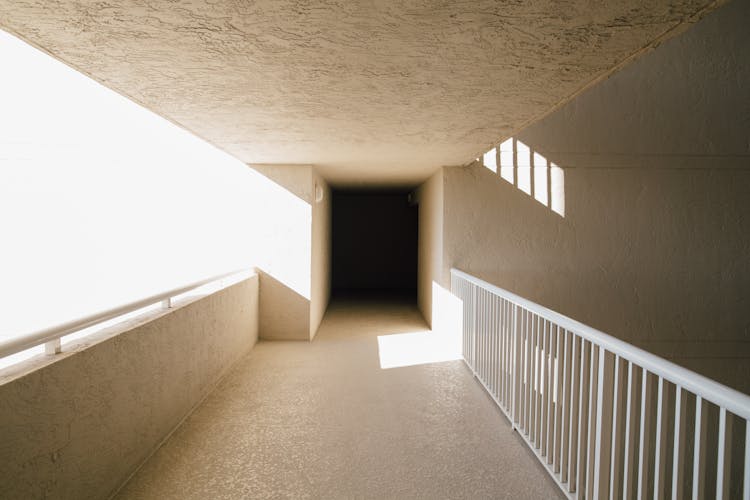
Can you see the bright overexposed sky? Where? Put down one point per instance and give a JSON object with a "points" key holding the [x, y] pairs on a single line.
{"points": [[104, 202]]}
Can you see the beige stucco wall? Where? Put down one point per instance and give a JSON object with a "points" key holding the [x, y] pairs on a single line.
{"points": [[77, 425], [284, 314], [320, 292], [293, 252], [390, 91], [655, 236], [429, 196], [285, 253]]}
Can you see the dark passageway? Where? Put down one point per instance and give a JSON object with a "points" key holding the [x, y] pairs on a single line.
{"points": [[374, 248]]}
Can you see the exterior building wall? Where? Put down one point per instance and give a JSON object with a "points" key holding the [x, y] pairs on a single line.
{"points": [[292, 252], [652, 243]]}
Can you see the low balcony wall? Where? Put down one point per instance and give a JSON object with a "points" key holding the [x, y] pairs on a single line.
{"points": [[77, 425]]}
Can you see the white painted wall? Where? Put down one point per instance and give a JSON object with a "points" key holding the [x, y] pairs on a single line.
{"points": [[654, 242], [76, 425]]}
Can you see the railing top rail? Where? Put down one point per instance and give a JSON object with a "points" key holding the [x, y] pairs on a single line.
{"points": [[27, 340], [719, 394]]}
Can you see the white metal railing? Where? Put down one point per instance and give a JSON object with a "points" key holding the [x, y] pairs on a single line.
{"points": [[607, 419], [51, 336]]}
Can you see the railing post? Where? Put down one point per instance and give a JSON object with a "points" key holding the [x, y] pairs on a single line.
{"points": [[474, 312], [53, 347], [678, 448], [604, 430], [645, 432], [699, 450], [618, 434], [746, 481], [575, 397], [514, 367], [660, 440], [724, 454], [630, 423]]}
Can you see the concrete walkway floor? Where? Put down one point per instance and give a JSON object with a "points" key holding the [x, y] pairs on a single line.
{"points": [[324, 420]]}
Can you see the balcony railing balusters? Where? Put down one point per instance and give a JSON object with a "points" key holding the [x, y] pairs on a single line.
{"points": [[596, 410]]}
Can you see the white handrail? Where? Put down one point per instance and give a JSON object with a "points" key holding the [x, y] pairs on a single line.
{"points": [[572, 392], [31, 339], [734, 401]]}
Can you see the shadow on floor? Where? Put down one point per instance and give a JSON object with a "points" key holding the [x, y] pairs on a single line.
{"points": [[371, 313]]}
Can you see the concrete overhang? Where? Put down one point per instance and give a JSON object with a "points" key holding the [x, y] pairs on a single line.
{"points": [[368, 92]]}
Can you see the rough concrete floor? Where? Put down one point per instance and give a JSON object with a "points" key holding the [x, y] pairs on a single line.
{"points": [[323, 420]]}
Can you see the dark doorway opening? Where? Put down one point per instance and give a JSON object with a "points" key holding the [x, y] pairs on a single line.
{"points": [[374, 245]]}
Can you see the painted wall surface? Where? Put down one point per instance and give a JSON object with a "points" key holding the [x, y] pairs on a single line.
{"points": [[77, 425], [293, 234], [321, 253], [285, 233], [653, 242], [429, 197], [284, 314]]}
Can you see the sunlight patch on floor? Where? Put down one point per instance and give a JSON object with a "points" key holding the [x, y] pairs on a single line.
{"points": [[416, 348], [442, 343]]}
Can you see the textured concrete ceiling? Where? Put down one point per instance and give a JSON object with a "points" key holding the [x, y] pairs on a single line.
{"points": [[367, 91]]}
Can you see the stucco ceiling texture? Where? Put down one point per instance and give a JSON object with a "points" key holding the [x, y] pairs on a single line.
{"points": [[367, 91]]}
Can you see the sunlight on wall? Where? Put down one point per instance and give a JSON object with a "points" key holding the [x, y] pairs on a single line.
{"points": [[490, 160], [443, 343], [523, 167], [530, 172], [557, 183], [447, 314], [103, 202], [538, 383], [540, 179], [506, 153]]}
